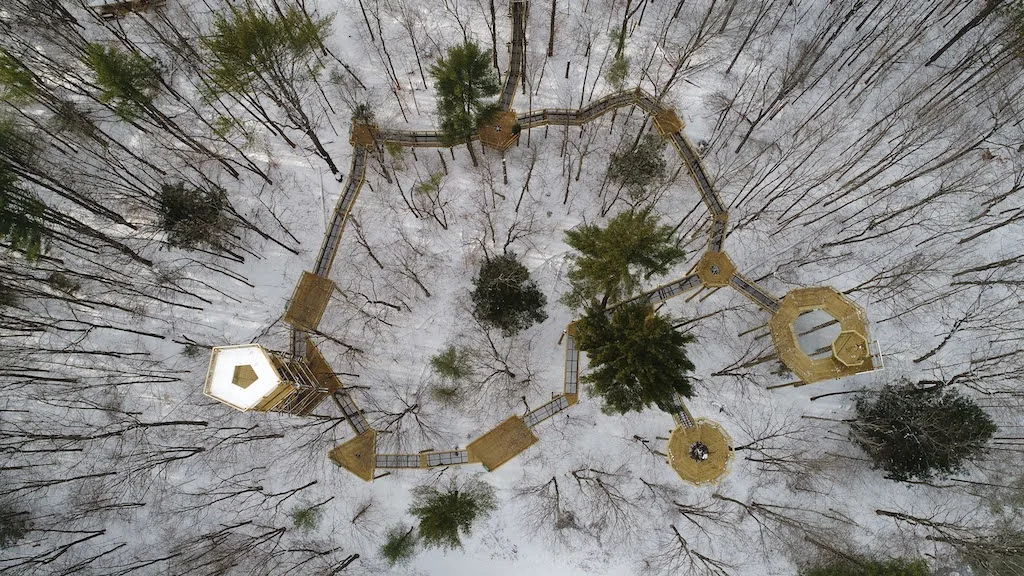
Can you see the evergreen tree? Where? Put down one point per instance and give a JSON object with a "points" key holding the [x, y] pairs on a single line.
{"points": [[636, 357], [271, 55], [505, 297], [21, 212], [463, 81], [400, 545], [445, 516], [129, 79], [21, 216], [452, 363], [16, 81], [914, 433], [194, 217], [305, 518], [13, 526], [868, 567], [638, 167], [612, 261], [617, 72]]}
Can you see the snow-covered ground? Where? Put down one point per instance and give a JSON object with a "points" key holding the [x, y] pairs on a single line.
{"points": [[833, 90]]}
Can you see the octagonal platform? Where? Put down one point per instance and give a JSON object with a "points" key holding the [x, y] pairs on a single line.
{"points": [[701, 454], [850, 353]]}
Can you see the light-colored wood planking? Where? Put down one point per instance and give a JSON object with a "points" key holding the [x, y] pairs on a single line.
{"points": [[700, 472], [358, 455], [502, 443], [852, 356], [309, 301]]}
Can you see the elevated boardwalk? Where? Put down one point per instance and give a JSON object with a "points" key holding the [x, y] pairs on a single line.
{"points": [[701, 464], [517, 11]]}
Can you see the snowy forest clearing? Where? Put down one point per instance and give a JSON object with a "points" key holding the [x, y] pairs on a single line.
{"points": [[872, 147]]}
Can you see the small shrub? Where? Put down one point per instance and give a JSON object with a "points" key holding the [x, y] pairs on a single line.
{"points": [[192, 351], [452, 364], [430, 185], [13, 527], [363, 113], [397, 153], [448, 395], [8, 297], [69, 117], [400, 546], [61, 281], [305, 518]]}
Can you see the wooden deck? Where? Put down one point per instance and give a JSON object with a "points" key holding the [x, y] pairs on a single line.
{"points": [[502, 443], [358, 455], [700, 472], [850, 351], [309, 301]]}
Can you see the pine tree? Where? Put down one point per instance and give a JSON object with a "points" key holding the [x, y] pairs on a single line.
{"points": [[400, 545], [446, 516], [914, 433], [452, 363], [305, 518], [463, 80], [193, 217], [16, 82], [617, 72], [613, 261], [270, 55], [636, 357], [868, 567], [130, 80], [639, 166], [505, 297], [13, 526], [21, 212]]}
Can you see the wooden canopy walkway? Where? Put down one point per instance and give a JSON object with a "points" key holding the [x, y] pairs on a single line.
{"points": [[699, 450]]}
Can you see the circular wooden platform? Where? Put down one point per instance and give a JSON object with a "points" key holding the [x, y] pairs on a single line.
{"points": [[690, 467]]}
